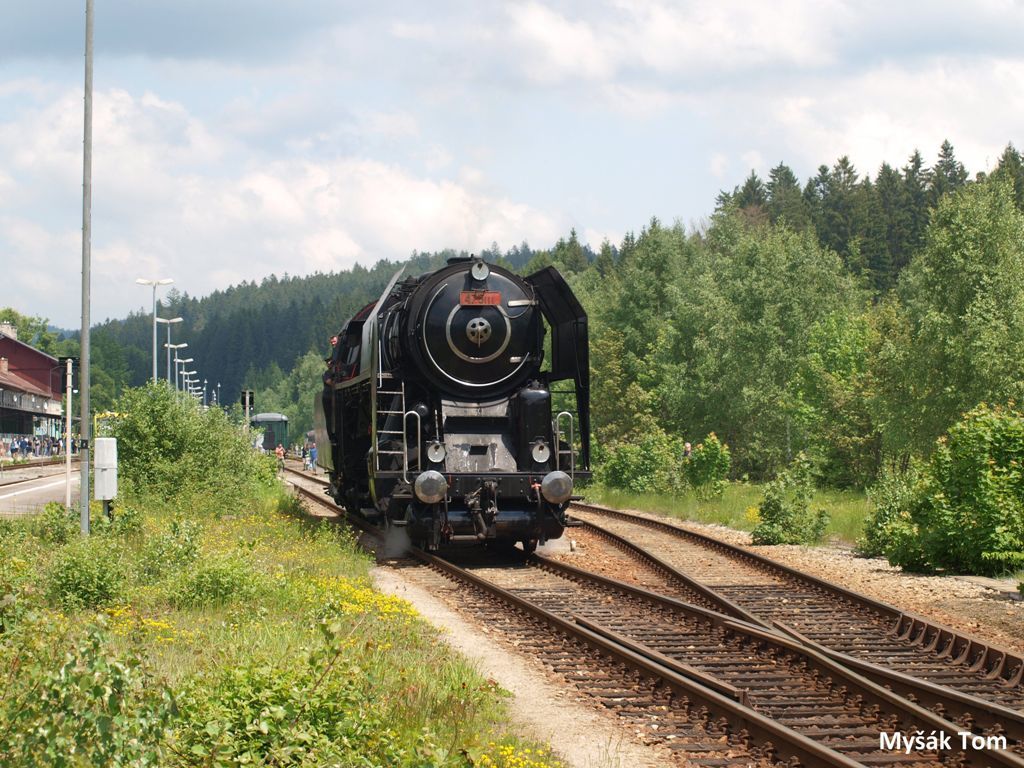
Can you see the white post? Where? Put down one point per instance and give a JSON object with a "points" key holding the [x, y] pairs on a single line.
{"points": [[154, 333], [67, 438]]}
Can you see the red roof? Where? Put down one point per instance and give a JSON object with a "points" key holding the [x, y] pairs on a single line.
{"points": [[18, 383]]}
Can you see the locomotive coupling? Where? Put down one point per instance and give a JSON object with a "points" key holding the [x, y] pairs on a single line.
{"points": [[430, 487], [556, 487]]}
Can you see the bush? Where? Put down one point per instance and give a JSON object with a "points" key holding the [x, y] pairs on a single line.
{"points": [[217, 581], [174, 549], [707, 468], [891, 497], [649, 465], [785, 513], [169, 448], [56, 524], [93, 708], [310, 711], [87, 573], [967, 513]]}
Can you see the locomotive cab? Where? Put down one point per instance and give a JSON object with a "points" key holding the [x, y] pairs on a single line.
{"points": [[448, 425]]}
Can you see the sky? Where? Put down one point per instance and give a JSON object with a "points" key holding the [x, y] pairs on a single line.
{"points": [[233, 140]]}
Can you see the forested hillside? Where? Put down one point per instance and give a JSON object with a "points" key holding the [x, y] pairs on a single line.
{"points": [[850, 317]]}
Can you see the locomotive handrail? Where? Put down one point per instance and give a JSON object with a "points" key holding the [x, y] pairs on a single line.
{"points": [[558, 443], [405, 444]]}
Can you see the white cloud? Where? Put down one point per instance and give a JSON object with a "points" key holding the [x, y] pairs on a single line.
{"points": [[558, 48], [675, 40], [163, 204], [885, 113]]}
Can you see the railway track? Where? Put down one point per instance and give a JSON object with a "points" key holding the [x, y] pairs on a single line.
{"points": [[696, 674], [851, 627], [5, 482]]}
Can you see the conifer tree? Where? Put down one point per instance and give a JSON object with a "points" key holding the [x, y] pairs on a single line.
{"points": [[785, 201], [947, 176], [1012, 166]]}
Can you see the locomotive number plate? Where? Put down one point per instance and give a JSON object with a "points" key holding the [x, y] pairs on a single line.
{"points": [[480, 298]]}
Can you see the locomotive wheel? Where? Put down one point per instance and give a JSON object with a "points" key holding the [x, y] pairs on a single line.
{"points": [[529, 546]]}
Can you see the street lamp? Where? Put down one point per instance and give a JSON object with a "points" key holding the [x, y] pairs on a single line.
{"points": [[175, 347], [169, 322], [204, 392], [218, 393], [184, 362], [154, 283]]}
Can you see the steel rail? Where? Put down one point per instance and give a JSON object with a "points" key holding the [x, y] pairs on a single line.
{"points": [[944, 701], [641, 658], [708, 701], [976, 713], [939, 640], [885, 687], [742, 720]]}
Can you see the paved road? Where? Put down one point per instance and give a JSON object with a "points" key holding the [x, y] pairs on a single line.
{"points": [[31, 496]]}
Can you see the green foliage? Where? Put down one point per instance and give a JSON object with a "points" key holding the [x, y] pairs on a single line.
{"points": [[835, 391], [31, 330], [93, 708], [170, 448], [967, 513], [86, 573], [962, 335], [293, 394], [314, 711], [891, 497], [56, 524], [707, 468], [170, 551], [217, 580], [785, 513], [648, 464]]}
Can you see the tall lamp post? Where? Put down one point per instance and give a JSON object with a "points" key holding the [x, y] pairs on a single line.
{"points": [[181, 370], [169, 322], [175, 347], [155, 284], [204, 393], [218, 394]]}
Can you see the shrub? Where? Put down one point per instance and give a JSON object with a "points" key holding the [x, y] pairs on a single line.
{"points": [[217, 581], [649, 465], [967, 513], [174, 549], [170, 448], [56, 524], [891, 497], [707, 468], [92, 708], [785, 513], [312, 710], [87, 573]]}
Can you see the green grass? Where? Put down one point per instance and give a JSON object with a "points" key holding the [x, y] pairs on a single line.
{"points": [[737, 508], [274, 604]]}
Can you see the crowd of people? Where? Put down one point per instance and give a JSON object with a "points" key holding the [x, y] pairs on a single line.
{"points": [[18, 447]]}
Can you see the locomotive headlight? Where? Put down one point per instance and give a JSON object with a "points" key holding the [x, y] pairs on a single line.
{"points": [[540, 452], [556, 487], [436, 452], [430, 487]]}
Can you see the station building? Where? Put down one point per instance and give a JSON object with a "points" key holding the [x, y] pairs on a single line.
{"points": [[30, 389]]}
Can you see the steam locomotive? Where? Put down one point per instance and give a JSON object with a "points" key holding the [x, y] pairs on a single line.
{"points": [[438, 408]]}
